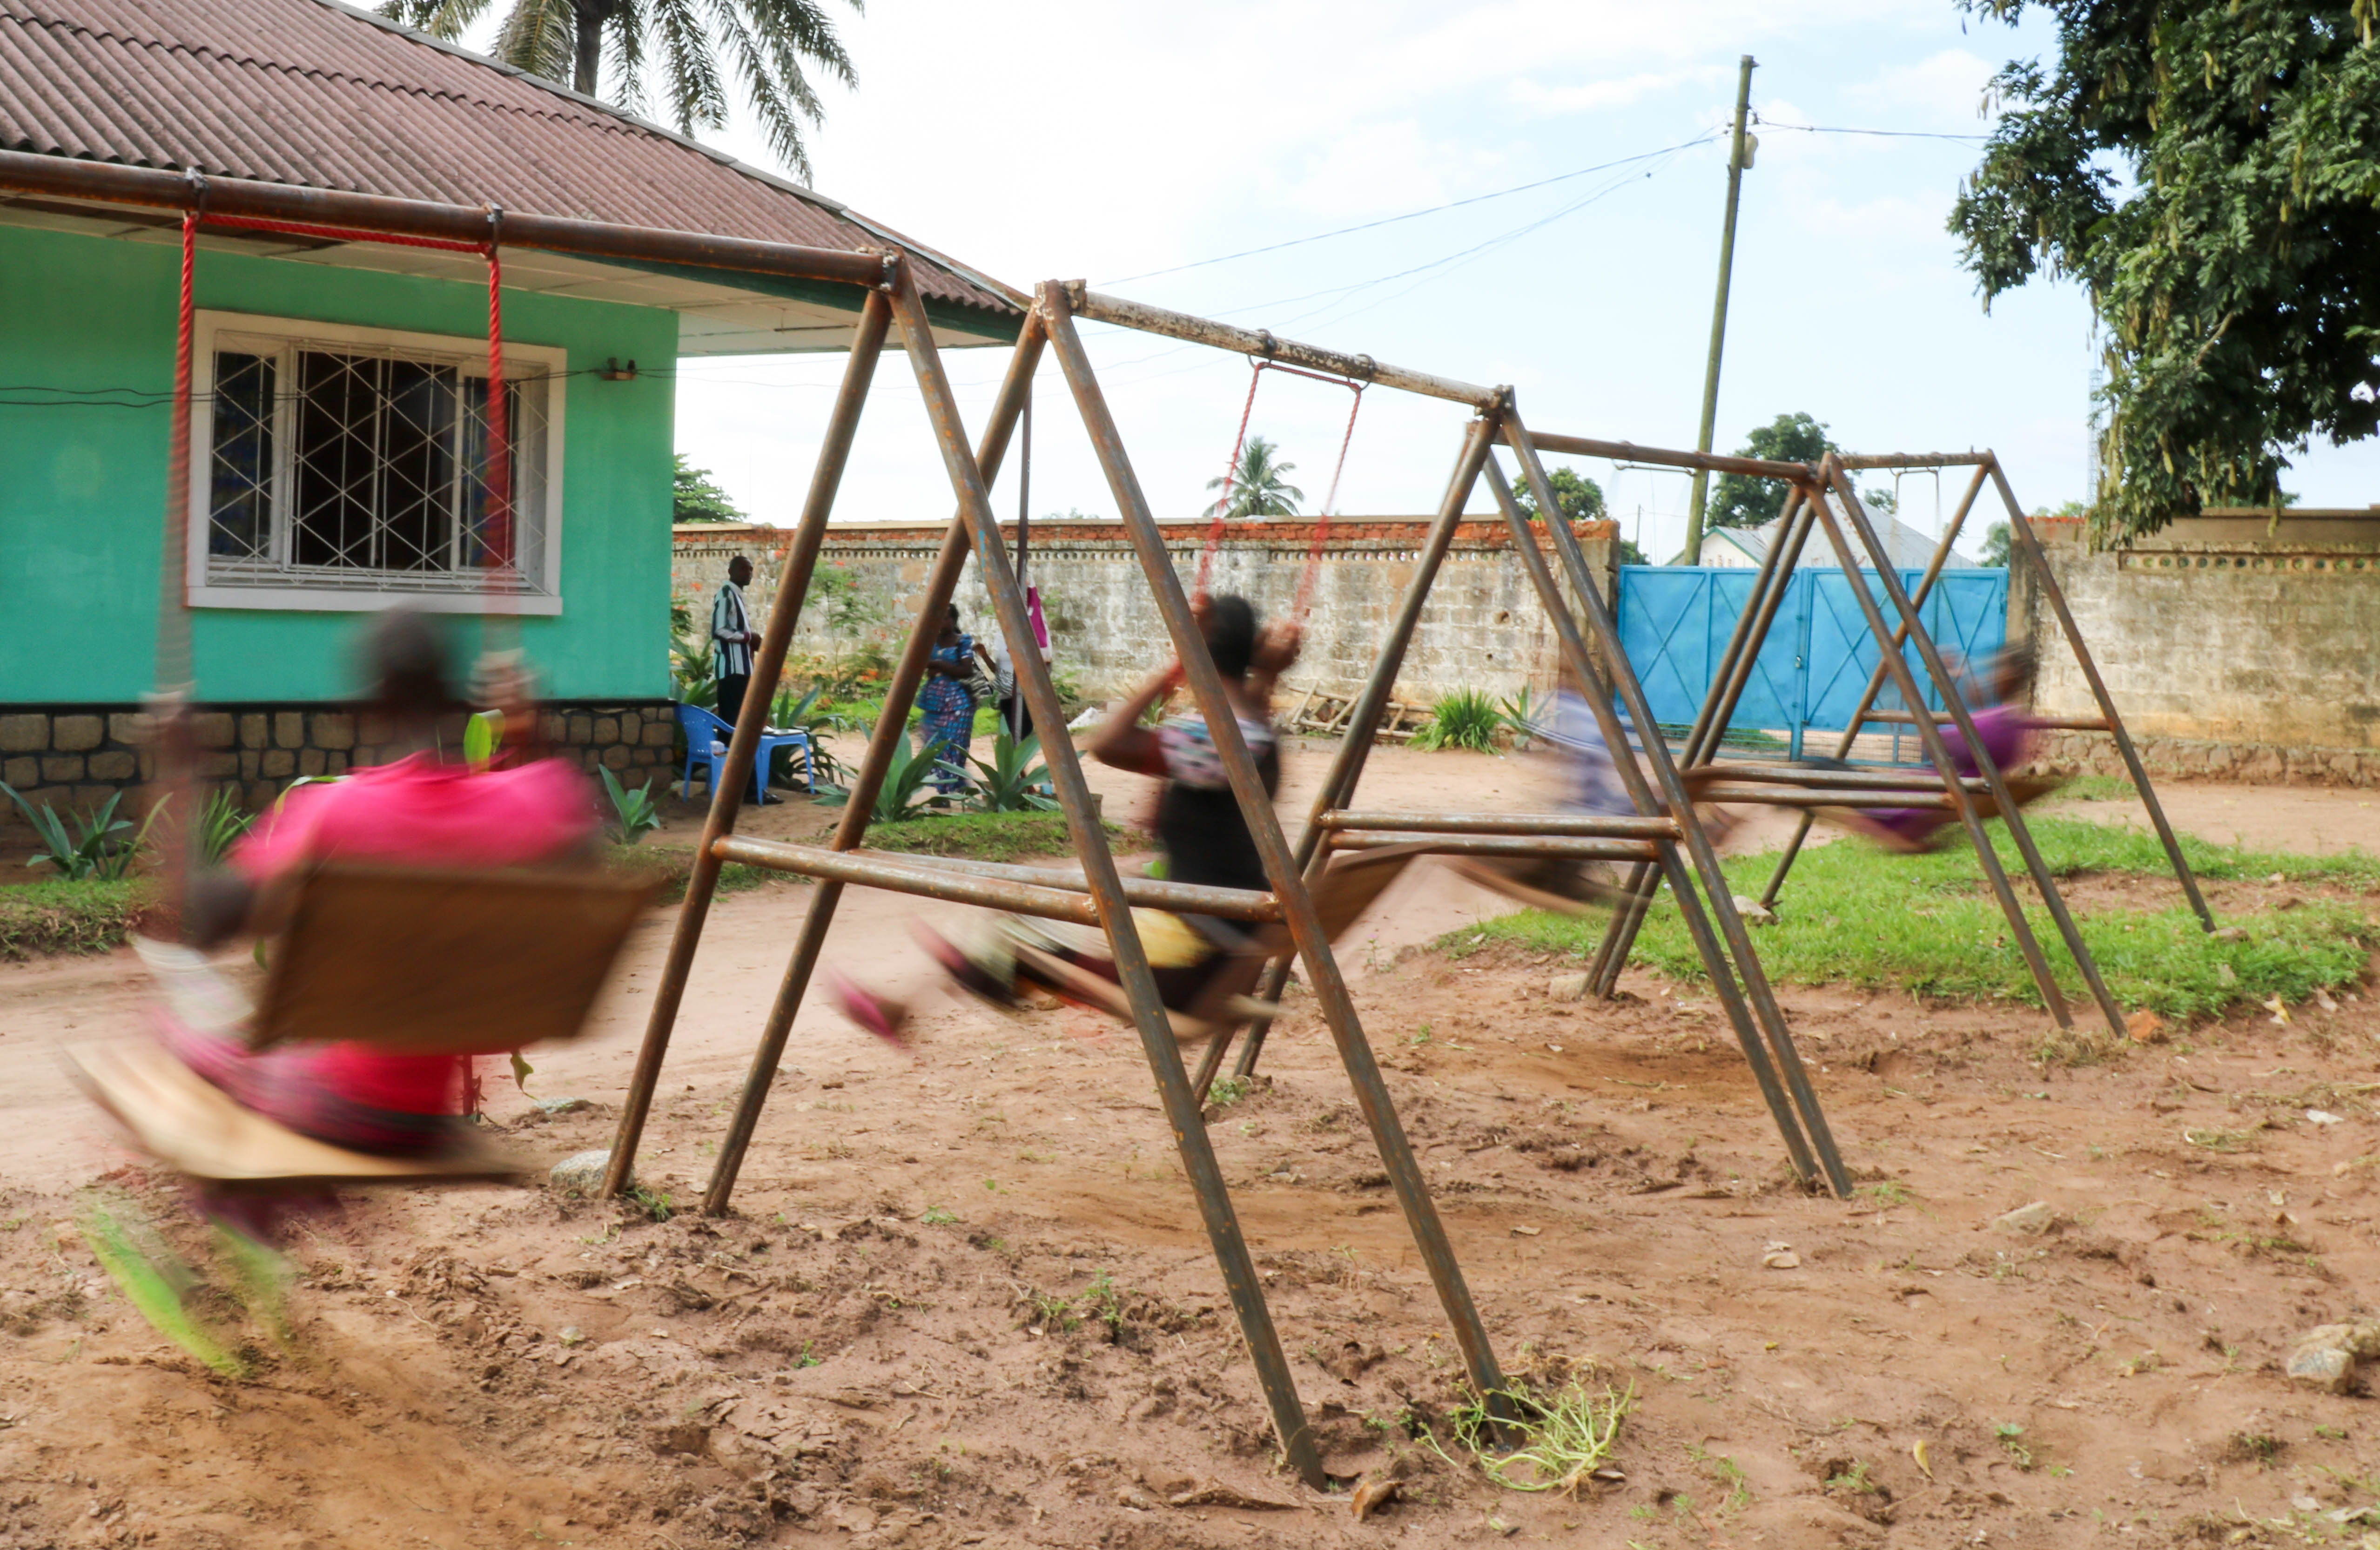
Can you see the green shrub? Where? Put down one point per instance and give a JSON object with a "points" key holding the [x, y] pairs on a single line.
{"points": [[1463, 718]]}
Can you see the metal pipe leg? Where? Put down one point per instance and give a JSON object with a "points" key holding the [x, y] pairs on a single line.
{"points": [[1281, 870], [891, 729], [2031, 544], [1930, 736], [726, 795], [1364, 714], [1934, 566]]}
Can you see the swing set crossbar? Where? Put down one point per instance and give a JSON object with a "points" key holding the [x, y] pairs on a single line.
{"points": [[1053, 893], [1552, 845], [1572, 824]]}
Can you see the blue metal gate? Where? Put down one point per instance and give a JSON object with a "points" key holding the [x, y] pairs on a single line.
{"points": [[1675, 621]]}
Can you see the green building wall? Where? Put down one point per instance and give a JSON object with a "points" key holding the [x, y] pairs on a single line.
{"points": [[83, 487]]}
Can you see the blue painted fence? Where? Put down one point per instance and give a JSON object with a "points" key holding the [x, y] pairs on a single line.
{"points": [[1675, 621]]}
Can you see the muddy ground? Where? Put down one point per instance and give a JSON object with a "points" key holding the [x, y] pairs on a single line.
{"points": [[965, 1298]]}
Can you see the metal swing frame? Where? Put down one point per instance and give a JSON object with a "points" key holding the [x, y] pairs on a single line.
{"points": [[1098, 896], [1810, 505], [1665, 837]]}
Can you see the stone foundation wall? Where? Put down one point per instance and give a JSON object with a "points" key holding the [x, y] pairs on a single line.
{"points": [[76, 757], [1481, 628], [2200, 759], [2236, 646]]}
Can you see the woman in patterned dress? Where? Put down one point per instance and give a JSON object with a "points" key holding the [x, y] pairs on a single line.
{"points": [[948, 700]]}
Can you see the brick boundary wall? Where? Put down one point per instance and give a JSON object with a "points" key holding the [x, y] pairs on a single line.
{"points": [[2237, 645], [77, 756], [1482, 628]]}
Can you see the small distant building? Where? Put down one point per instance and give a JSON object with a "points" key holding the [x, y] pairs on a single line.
{"points": [[1748, 547]]}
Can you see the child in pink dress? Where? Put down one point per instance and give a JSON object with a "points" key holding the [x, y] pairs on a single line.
{"points": [[419, 811]]}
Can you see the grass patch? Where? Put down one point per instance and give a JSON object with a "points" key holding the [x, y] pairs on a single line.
{"points": [[2098, 788], [1852, 914], [987, 837], [41, 918], [1560, 1438]]}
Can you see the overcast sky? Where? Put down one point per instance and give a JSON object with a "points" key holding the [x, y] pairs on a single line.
{"points": [[1067, 139]]}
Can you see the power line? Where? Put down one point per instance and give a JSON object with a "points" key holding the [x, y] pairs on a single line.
{"points": [[1883, 134], [1416, 214]]}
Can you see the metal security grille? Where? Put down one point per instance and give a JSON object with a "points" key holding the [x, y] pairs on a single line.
{"points": [[346, 467]]}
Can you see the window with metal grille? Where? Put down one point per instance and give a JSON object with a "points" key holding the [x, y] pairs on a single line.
{"points": [[359, 462]]}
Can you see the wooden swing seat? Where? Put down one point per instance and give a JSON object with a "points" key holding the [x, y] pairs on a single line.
{"points": [[188, 1123], [420, 961]]}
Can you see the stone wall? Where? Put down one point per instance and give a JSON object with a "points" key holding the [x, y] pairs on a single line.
{"points": [[76, 757], [1482, 628], [2236, 648]]}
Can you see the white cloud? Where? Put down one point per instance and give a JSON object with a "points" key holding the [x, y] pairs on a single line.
{"points": [[1945, 90]]}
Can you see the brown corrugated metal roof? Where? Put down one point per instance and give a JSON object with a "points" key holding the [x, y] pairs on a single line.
{"points": [[313, 93]]}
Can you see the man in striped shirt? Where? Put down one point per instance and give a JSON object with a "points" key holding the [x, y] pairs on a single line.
{"points": [[731, 639]]}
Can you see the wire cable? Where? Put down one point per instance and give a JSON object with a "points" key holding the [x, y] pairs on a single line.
{"points": [[1416, 214]]}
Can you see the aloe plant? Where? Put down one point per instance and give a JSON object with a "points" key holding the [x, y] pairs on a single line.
{"points": [[222, 823], [98, 846], [905, 792], [634, 814], [1010, 781], [1526, 715], [807, 715]]}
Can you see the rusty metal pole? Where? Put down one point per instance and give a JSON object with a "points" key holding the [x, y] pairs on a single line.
{"points": [[726, 793], [1598, 695], [891, 729], [1876, 681], [1281, 868], [2022, 532], [1157, 1043], [1757, 991], [1734, 671], [1930, 737], [1985, 765], [1355, 745]]}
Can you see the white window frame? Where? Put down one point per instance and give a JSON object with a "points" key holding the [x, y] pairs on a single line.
{"points": [[365, 591]]}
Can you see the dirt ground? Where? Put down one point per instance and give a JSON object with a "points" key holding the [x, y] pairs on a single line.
{"points": [[965, 1298]]}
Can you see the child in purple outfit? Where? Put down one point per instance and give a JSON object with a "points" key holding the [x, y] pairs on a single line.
{"points": [[2007, 734]]}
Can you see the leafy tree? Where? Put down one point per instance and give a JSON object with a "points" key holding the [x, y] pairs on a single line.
{"points": [[1580, 498], [1996, 539], [1256, 488], [697, 498], [763, 42], [1741, 501], [2212, 174]]}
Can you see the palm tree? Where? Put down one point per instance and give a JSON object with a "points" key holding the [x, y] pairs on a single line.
{"points": [[1256, 488], [764, 43]]}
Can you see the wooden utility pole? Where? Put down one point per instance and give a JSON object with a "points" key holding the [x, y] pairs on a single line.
{"points": [[1739, 157]]}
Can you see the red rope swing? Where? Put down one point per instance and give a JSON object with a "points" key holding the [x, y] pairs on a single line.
{"points": [[176, 674], [497, 534], [1257, 368]]}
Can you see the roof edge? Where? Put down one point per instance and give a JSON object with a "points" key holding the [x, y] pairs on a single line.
{"points": [[1021, 299]]}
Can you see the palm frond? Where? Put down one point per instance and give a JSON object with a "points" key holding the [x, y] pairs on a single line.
{"points": [[440, 18], [778, 103], [689, 67], [539, 36], [627, 43]]}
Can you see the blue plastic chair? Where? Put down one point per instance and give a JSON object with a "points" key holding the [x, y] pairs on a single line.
{"points": [[707, 737]]}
